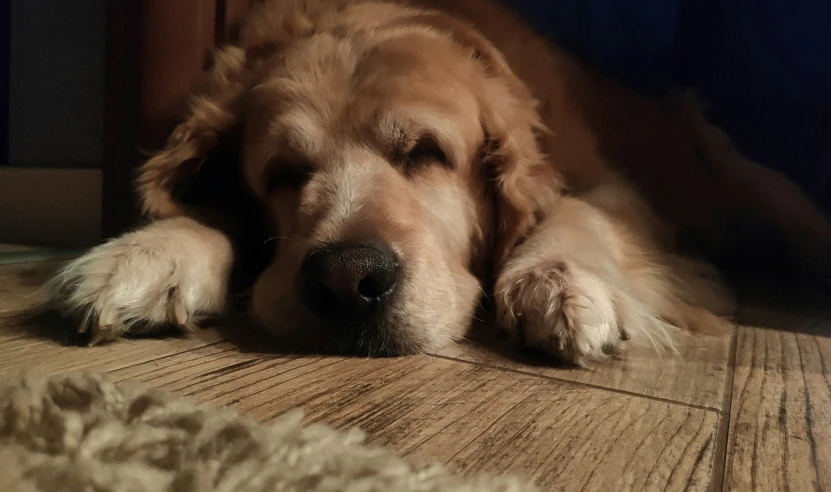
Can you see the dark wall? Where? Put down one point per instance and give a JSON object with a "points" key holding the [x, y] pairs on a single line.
{"points": [[5, 37], [56, 93], [764, 66]]}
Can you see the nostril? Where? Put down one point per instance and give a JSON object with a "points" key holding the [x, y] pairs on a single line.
{"points": [[376, 285], [321, 295]]}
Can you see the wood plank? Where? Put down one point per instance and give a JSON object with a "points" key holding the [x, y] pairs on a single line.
{"points": [[47, 357], [472, 417], [696, 375], [780, 424]]}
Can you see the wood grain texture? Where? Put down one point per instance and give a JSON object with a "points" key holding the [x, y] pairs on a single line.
{"points": [[696, 375], [643, 423], [469, 416], [780, 423], [46, 357]]}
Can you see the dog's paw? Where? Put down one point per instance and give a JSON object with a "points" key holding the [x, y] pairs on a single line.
{"points": [[139, 283], [563, 310]]}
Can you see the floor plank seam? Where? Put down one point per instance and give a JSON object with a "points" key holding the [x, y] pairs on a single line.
{"points": [[580, 384], [719, 463], [149, 361], [143, 375], [808, 418]]}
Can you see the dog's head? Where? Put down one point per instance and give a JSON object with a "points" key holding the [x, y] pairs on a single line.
{"points": [[396, 162]]}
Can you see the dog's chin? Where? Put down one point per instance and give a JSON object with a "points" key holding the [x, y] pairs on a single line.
{"points": [[374, 339], [307, 334], [361, 341]]}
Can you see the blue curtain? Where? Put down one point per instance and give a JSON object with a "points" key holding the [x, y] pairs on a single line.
{"points": [[764, 66]]}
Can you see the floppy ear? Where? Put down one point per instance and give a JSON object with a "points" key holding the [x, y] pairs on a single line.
{"points": [[524, 183], [211, 113], [211, 117]]}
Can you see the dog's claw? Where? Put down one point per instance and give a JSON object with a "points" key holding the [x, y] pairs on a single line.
{"points": [[108, 318], [107, 324], [97, 337], [180, 314]]}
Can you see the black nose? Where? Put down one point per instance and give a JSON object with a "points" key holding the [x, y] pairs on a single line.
{"points": [[346, 285]]}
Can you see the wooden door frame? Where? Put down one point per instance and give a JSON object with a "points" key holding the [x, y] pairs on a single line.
{"points": [[155, 53]]}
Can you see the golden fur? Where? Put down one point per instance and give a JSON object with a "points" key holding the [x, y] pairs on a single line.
{"points": [[523, 184]]}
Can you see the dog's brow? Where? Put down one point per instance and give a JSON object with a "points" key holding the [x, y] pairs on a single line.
{"points": [[298, 131], [396, 128]]}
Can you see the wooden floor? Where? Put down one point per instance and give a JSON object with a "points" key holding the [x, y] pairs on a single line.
{"points": [[751, 411]]}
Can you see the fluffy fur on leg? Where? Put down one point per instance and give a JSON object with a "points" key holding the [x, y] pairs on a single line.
{"points": [[583, 283], [167, 274]]}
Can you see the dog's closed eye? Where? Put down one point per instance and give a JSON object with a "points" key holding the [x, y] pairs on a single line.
{"points": [[287, 176], [426, 151]]}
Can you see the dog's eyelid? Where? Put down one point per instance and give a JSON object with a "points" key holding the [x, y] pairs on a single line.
{"points": [[427, 149], [287, 175]]}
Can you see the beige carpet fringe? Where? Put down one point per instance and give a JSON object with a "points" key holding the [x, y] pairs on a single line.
{"points": [[86, 433]]}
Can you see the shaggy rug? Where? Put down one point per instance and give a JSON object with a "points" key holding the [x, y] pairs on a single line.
{"points": [[86, 433]]}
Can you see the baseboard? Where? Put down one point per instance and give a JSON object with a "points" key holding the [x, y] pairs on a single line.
{"points": [[50, 207]]}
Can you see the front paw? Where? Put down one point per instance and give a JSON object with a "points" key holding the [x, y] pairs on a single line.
{"points": [[563, 310], [139, 283]]}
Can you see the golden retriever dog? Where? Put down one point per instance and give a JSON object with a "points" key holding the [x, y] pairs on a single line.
{"points": [[409, 159]]}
